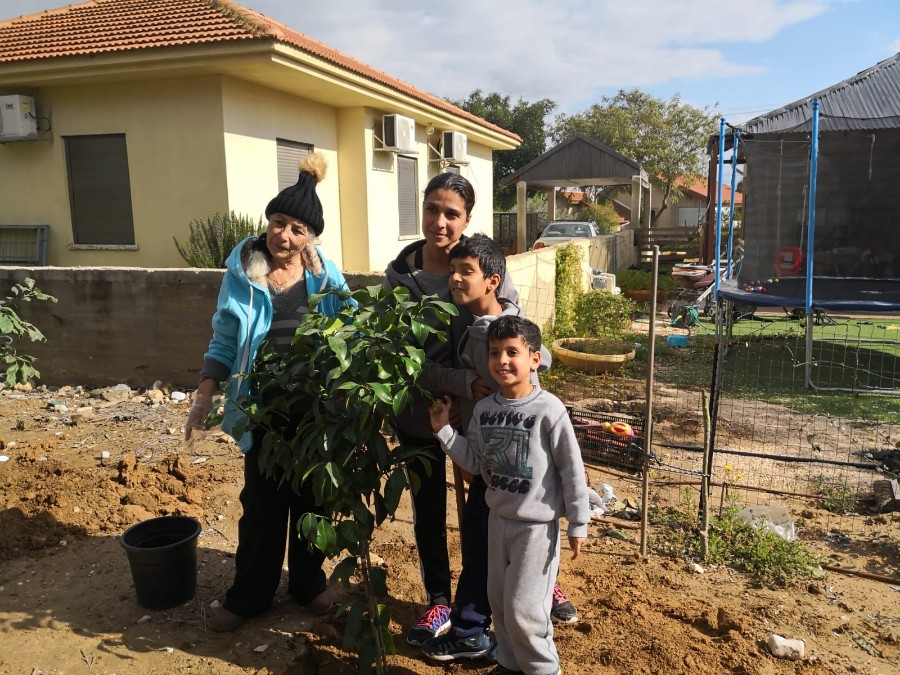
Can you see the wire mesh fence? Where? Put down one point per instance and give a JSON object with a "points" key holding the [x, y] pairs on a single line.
{"points": [[794, 424]]}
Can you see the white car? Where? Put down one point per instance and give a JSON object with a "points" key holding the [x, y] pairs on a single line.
{"points": [[560, 231]]}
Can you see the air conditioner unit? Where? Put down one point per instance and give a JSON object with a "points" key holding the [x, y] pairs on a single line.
{"points": [[18, 121], [399, 134], [454, 146]]}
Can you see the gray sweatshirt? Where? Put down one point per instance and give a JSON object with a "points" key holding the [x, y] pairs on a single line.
{"points": [[414, 420], [472, 354], [526, 451]]}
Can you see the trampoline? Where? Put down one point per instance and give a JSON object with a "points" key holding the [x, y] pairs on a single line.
{"points": [[829, 293]]}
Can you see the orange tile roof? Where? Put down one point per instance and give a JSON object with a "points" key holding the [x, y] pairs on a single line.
{"points": [[107, 26]]}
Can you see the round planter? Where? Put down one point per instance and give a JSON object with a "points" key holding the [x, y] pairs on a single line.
{"points": [[591, 363]]}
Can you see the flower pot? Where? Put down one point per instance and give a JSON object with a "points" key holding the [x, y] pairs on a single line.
{"points": [[162, 554], [590, 363]]}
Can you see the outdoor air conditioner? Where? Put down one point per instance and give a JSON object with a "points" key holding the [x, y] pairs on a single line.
{"points": [[399, 134], [454, 146], [18, 121]]}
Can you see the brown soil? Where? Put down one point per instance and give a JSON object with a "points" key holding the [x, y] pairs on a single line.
{"points": [[67, 602]]}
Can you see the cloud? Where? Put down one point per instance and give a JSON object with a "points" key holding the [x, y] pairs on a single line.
{"points": [[535, 49]]}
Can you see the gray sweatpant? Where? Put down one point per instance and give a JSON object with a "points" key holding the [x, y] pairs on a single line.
{"points": [[523, 560]]}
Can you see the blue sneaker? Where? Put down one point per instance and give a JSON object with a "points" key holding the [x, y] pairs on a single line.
{"points": [[449, 648], [432, 623]]}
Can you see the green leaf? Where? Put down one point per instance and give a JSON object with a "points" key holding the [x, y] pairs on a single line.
{"points": [[379, 581], [382, 393], [420, 331], [393, 490], [339, 347], [325, 536]]}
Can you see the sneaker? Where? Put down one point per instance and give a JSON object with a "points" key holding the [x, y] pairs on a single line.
{"points": [[448, 648], [432, 623], [500, 670], [562, 610]]}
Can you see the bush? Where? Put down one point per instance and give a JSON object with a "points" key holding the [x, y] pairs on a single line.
{"points": [[568, 285], [19, 368], [210, 241], [601, 213], [634, 279], [602, 314]]}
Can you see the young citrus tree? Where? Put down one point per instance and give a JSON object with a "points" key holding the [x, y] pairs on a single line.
{"points": [[335, 390], [19, 368]]}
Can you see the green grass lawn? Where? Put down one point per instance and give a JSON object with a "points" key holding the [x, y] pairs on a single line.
{"points": [[766, 360]]}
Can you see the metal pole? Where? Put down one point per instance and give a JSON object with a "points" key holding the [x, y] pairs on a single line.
{"points": [[718, 252], [648, 409], [734, 157], [810, 237]]}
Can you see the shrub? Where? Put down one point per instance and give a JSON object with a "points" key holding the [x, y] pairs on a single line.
{"points": [[634, 279], [568, 286], [19, 367], [602, 314], [210, 241], [603, 214]]}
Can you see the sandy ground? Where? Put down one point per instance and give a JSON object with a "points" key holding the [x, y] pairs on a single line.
{"points": [[67, 601]]}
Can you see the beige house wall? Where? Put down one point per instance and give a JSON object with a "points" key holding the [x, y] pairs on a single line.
{"points": [[172, 128], [254, 117]]}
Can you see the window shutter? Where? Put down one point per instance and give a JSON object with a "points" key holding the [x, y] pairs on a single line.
{"points": [[407, 196], [289, 155], [100, 189]]}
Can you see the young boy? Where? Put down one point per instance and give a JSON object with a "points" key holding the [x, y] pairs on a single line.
{"points": [[522, 443], [477, 269]]}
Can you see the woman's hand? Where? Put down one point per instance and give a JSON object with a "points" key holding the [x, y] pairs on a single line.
{"points": [[199, 411], [439, 412], [480, 389]]}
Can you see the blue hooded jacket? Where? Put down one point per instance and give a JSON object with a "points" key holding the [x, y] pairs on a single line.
{"points": [[242, 320]]}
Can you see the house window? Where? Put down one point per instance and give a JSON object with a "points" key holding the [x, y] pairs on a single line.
{"points": [[407, 196], [99, 190], [289, 155]]}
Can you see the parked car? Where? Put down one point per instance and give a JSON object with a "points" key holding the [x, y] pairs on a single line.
{"points": [[560, 231]]}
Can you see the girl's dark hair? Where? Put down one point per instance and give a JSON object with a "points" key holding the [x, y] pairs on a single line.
{"points": [[453, 181], [505, 327]]}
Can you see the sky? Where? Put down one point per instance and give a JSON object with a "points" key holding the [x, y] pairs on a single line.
{"points": [[737, 59]]}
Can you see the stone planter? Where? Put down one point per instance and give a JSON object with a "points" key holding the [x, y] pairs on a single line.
{"points": [[590, 363]]}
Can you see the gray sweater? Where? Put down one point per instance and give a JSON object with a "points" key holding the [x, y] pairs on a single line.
{"points": [[526, 451], [446, 379]]}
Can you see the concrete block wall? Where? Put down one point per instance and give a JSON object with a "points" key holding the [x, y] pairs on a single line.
{"points": [[113, 325]]}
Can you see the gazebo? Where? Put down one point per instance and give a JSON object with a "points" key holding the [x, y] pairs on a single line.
{"points": [[583, 162]]}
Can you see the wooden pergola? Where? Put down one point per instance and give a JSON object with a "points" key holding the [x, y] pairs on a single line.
{"points": [[580, 161]]}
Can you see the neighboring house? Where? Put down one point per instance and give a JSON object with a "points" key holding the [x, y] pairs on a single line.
{"points": [[569, 201], [139, 116], [690, 210]]}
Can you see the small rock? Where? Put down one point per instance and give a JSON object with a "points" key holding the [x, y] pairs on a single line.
{"points": [[104, 454], [696, 568], [121, 392], [20, 386], [172, 431], [63, 542], [144, 619], [11, 445], [214, 604], [155, 394], [178, 396], [261, 648], [4, 458], [785, 648]]}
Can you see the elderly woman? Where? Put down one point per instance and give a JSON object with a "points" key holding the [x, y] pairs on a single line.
{"points": [[267, 283]]}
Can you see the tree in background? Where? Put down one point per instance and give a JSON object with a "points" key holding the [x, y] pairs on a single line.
{"points": [[523, 118], [667, 138]]}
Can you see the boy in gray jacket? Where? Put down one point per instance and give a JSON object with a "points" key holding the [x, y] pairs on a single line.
{"points": [[522, 443]]}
